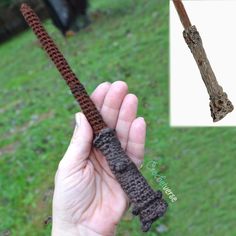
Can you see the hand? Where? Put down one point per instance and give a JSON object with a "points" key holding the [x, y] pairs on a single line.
{"points": [[87, 198]]}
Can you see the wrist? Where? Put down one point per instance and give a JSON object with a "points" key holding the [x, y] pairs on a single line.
{"points": [[79, 230], [84, 231], [61, 229]]}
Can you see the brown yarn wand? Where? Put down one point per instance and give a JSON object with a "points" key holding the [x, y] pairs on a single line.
{"points": [[147, 203], [220, 105]]}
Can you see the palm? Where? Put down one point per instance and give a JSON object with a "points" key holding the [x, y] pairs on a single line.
{"points": [[86, 191], [108, 198]]}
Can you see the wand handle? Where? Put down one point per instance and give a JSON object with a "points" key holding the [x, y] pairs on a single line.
{"points": [[220, 105]]}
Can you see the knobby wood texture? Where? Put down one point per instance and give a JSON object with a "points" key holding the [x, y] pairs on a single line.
{"points": [[220, 105], [147, 203]]}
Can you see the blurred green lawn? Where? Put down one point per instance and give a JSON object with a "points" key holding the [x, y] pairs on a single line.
{"points": [[128, 41]]}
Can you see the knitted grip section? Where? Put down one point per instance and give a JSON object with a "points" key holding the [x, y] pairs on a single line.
{"points": [[77, 89], [147, 203]]}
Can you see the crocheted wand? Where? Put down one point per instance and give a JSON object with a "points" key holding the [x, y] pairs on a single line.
{"points": [[147, 203], [220, 105]]}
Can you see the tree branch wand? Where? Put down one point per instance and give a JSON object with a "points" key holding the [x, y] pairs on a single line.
{"points": [[220, 105], [147, 203]]}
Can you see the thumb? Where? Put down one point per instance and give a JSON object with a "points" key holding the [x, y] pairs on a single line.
{"points": [[80, 145]]}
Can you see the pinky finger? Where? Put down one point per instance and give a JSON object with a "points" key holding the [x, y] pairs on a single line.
{"points": [[136, 141]]}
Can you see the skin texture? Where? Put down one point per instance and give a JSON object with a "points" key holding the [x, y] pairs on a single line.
{"points": [[85, 188]]}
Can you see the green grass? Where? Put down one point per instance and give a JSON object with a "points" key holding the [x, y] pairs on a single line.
{"points": [[128, 41]]}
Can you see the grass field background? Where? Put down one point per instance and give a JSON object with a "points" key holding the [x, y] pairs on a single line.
{"points": [[128, 40]]}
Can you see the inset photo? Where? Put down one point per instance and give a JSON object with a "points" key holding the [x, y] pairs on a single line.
{"points": [[202, 63]]}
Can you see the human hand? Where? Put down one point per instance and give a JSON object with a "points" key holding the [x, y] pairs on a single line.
{"points": [[87, 198]]}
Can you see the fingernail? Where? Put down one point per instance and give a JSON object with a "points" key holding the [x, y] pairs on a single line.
{"points": [[141, 118], [78, 119]]}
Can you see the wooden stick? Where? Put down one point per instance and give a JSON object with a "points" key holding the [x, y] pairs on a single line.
{"points": [[220, 105], [182, 13], [147, 203]]}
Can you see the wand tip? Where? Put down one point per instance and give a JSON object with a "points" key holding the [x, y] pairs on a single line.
{"points": [[24, 8]]}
